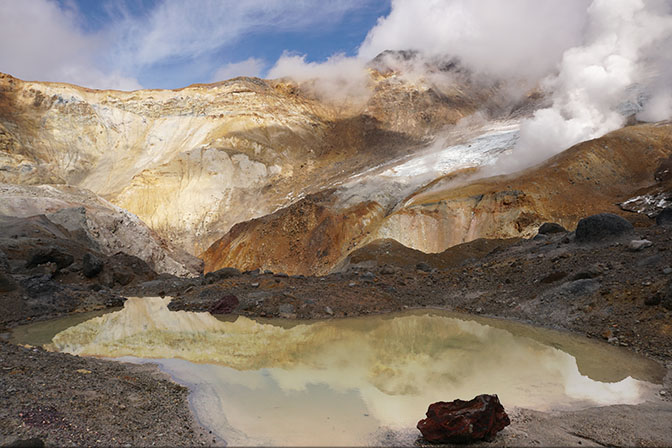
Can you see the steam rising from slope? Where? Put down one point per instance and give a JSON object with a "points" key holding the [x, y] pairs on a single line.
{"points": [[620, 53], [337, 78], [587, 56]]}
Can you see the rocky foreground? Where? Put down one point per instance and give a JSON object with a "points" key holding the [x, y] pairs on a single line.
{"points": [[607, 280]]}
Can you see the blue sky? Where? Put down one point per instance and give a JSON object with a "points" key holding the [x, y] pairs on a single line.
{"points": [[173, 43]]}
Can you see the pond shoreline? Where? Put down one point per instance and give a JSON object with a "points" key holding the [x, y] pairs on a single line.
{"points": [[604, 295], [621, 425]]}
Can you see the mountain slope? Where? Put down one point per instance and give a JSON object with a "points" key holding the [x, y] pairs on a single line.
{"points": [[193, 162], [588, 178]]}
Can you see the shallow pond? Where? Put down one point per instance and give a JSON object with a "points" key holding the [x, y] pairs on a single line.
{"points": [[347, 381]]}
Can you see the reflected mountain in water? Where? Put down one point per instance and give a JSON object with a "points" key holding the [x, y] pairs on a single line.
{"points": [[341, 380]]}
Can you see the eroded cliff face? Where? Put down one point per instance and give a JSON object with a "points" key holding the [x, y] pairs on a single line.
{"points": [[591, 177], [98, 224], [193, 162]]}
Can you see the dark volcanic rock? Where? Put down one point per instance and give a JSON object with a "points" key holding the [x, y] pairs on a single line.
{"points": [[126, 268], [423, 267], [27, 443], [7, 283], [123, 277], [464, 421], [40, 285], [554, 277], [601, 227], [50, 255], [664, 218], [4, 261], [221, 274], [91, 265], [226, 305], [551, 227], [666, 299], [653, 300]]}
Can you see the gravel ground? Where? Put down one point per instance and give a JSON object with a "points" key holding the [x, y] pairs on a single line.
{"points": [[71, 401]]}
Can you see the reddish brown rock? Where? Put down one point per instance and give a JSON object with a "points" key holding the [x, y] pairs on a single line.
{"points": [[464, 421], [226, 304]]}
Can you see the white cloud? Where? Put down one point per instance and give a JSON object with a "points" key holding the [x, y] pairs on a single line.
{"points": [[505, 38], [179, 29], [40, 41], [249, 67]]}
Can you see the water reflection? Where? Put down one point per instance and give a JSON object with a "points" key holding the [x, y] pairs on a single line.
{"points": [[337, 382]]}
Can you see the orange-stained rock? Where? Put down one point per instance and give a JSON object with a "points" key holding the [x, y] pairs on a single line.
{"points": [[464, 421], [308, 237]]}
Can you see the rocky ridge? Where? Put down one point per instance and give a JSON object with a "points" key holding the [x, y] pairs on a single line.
{"points": [[193, 162]]}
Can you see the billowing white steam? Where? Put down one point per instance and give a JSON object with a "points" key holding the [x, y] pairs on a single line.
{"points": [[337, 78], [621, 51], [588, 56]]}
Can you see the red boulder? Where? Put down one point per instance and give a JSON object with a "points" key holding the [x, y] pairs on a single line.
{"points": [[464, 421]]}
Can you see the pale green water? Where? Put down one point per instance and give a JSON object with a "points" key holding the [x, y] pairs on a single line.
{"points": [[341, 382]]}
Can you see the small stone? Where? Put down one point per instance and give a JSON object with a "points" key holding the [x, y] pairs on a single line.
{"points": [[351, 284], [479, 310], [667, 271], [328, 310], [653, 300], [254, 285], [286, 308], [424, 267], [637, 245], [387, 270]]}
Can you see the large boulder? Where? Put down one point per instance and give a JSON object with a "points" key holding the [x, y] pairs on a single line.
{"points": [[603, 226], [7, 283], [225, 305], [664, 218], [221, 274], [50, 255], [551, 227], [464, 421], [91, 265]]}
